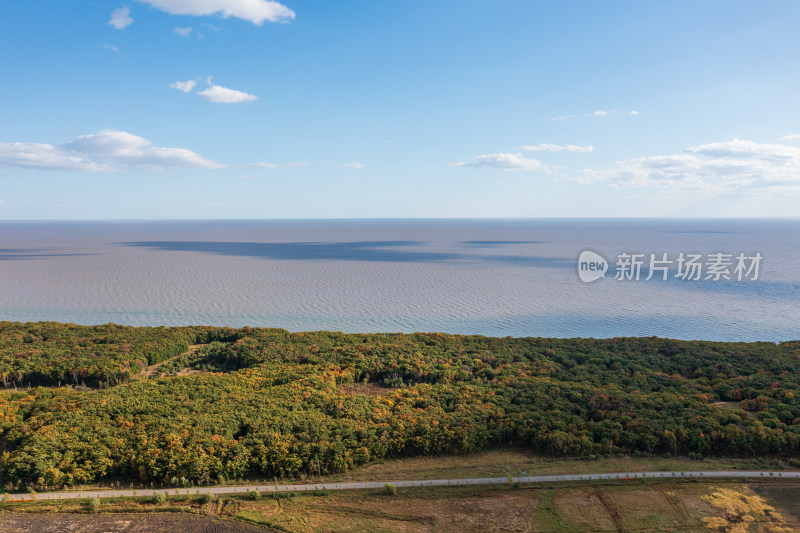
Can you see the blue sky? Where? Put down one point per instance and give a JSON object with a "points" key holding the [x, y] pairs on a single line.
{"points": [[257, 109]]}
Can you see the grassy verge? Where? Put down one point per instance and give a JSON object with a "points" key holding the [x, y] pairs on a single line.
{"points": [[663, 505], [495, 463], [513, 462], [675, 506]]}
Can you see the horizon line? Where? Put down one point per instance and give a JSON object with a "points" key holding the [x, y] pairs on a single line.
{"points": [[254, 219]]}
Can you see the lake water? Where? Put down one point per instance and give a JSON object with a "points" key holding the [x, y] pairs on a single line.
{"points": [[489, 277]]}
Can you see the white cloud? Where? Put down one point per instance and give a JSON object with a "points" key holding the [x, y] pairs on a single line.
{"points": [[544, 147], [106, 151], [634, 112], [790, 138], [120, 18], [223, 95], [46, 157], [255, 11], [352, 165], [510, 162], [111, 47], [597, 113], [736, 166], [183, 32], [184, 86], [741, 149]]}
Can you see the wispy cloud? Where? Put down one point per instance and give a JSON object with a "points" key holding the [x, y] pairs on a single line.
{"points": [[633, 113], [223, 95], [597, 113], [352, 165], [47, 157], [544, 147], [511, 162], [795, 137], [106, 151], [111, 47], [184, 86], [255, 11], [737, 166], [183, 32], [120, 18], [742, 149]]}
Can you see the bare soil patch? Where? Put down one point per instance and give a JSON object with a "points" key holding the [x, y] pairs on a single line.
{"points": [[785, 497], [490, 510], [644, 508], [114, 523], [584, 510]]}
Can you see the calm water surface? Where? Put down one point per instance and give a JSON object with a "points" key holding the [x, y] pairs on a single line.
{"points": [[497, 277]]}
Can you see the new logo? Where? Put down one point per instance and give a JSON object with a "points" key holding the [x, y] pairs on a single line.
{"points": [[591, 266]]}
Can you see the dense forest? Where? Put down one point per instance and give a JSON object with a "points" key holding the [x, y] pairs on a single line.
{"points": [[47, 353], [76, 405]]}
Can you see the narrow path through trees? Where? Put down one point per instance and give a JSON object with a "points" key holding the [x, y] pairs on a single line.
{"points": [[150, 370]]}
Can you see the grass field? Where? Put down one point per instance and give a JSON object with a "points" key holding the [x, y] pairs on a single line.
{"points": [[513, 462], [652, 506], [662, 507], [628, 508]]}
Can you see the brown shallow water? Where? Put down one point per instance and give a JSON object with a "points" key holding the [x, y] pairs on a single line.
{"points": [[487, 277]]}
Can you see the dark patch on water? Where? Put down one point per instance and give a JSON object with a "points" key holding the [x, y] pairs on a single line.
{"points": [[371, 251]]}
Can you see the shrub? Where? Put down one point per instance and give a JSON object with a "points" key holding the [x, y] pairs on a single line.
{"points": [[254, 495], [159, 497], [390, 489], [206, 498], [94, 505]]}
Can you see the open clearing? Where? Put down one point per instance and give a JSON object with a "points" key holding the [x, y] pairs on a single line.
{"points": [[615, 506], [152, 369], [516, 462], [625, 507], [654, 508]]}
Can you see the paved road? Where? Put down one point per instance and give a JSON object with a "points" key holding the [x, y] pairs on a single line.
{"points": [[752, 475]]}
